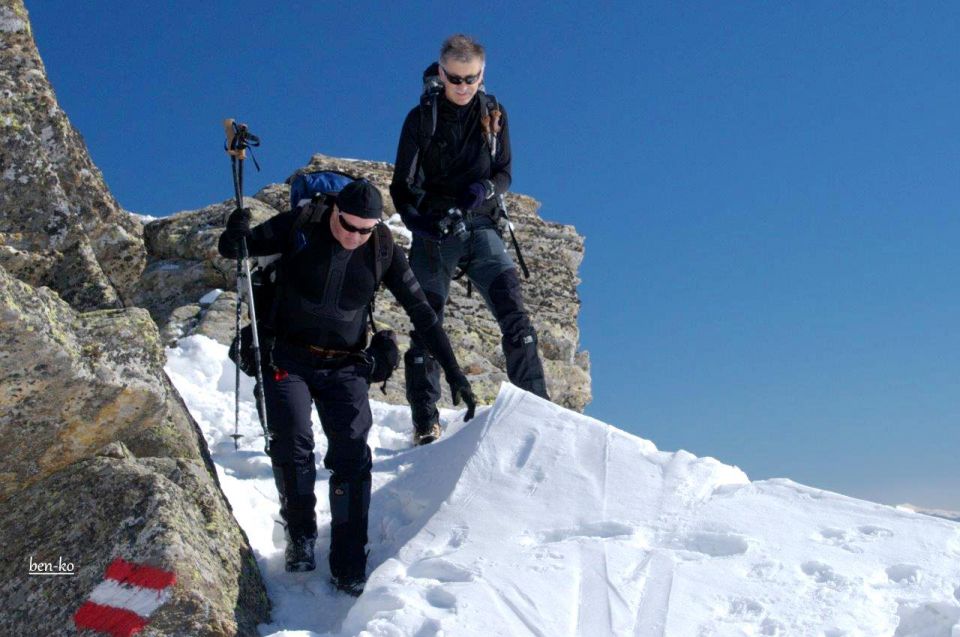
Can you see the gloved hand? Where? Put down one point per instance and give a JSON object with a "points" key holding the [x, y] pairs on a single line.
{"points": [[238, 223], [418, 224], [238, 227], [460, 388], [473, 197]]}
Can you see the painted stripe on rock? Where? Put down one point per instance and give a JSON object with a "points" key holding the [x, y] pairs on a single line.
{"points": [[139, 575], [113, 621], [142, 601]]}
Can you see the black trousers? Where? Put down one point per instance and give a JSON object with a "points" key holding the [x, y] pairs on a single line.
{"points": [[340, 396], [482, 253]]}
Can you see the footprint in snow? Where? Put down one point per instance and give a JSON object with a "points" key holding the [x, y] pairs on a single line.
{"points": [[904, 573], [823, 574], [765, 570], [874, 532], [838, 538], [753, 613], [714, 544], [438, 597], [589, 530], [440, 570], [744, 607]]}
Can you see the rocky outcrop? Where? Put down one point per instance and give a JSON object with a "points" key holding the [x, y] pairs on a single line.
{"points": [[71, 384], [101, 459], [59, 224], [184, 266]]}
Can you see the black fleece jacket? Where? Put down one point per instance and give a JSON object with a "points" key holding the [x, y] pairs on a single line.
{"points": [[457, 157], [325, 289]]}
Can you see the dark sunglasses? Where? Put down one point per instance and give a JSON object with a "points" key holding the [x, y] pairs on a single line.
{"points": [[460, 79], [346, 225]]}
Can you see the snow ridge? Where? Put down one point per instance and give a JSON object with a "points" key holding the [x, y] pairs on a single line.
{"points": [[534, 520]]}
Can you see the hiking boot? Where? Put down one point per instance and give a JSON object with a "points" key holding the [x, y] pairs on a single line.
{"points": [[350, 584], [299, 554], [427, 434]]}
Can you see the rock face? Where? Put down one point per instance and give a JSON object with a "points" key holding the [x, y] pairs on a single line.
{"points": [[71, 384], [101, 459], [183, 265], [59, 225]]}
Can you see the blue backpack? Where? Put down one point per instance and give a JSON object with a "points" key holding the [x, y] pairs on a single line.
{"points": [[306, 187]]}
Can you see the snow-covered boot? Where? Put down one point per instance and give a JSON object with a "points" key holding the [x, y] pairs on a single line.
{"points": [[299, 554]]}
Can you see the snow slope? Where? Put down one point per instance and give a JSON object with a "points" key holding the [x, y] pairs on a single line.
{"points": [[534, 520]]}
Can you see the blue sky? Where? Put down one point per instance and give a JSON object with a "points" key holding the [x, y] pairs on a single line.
{"points": [[770, 192]]}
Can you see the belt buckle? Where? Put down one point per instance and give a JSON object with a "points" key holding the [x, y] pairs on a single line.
{"points": [[324, 352]]}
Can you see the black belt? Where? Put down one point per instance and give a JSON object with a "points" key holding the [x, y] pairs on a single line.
{"points": [[316, 356]]}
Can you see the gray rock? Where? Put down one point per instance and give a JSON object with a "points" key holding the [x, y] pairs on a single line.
{"points": [[89, 422], [184, 263], [53, 200], [162, 512], [101, 457]]}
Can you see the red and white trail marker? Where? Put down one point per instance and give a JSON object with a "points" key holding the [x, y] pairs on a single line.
{"points": [[122, 603]]}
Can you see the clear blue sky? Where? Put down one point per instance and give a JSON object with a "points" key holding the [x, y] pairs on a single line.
{"points": [[770, 192]]}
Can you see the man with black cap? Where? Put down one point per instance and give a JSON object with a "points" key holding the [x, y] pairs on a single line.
{"points": [[453, 165], [328, 278]]}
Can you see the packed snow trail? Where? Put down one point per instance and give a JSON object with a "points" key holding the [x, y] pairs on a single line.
{"points": [[535, 520]]}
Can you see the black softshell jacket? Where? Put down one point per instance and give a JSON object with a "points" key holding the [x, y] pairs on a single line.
{"points": [[456, 157], [325, 289]]}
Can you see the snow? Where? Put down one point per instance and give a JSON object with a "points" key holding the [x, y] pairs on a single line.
{"points": [[144, 218], [535, 520], [398, 227], [210, 297]]}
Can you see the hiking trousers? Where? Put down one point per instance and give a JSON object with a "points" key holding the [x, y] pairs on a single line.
{"points": [[483, 256], [340, 396]]}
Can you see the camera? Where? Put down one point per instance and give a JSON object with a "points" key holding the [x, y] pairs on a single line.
{"points": [[453, 223]]}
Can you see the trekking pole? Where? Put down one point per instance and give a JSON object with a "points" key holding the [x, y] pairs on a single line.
{"points": [[491, 132], [239, 140], [513, 237]]}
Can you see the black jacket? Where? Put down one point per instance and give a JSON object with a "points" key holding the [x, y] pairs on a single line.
{"points": [[457, 157], [324, 289]]}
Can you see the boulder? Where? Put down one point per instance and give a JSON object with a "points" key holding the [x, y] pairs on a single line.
{"points": [[102, 460], [54, 203]]}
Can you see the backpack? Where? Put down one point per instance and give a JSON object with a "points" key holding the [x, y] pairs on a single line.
{"points": [[311, 194]]}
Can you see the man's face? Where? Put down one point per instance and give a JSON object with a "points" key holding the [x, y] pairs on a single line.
{"points": [[343, 226], [453, 70]]}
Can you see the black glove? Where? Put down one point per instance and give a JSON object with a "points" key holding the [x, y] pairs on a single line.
{"points": [[473, 197], [238, 223], [460, 388]]}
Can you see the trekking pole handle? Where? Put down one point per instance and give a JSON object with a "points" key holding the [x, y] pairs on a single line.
{"points": [[239, 139]]}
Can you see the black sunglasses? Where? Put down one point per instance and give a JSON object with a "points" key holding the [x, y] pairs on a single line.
{"points": [[346, 225], [460, 79]]}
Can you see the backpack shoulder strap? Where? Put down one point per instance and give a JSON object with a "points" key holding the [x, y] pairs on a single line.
{"points": [[305, 215], [383, 250], [428, 127]]}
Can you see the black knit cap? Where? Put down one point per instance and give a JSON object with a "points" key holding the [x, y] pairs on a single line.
{"points": [[361, 198]]}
